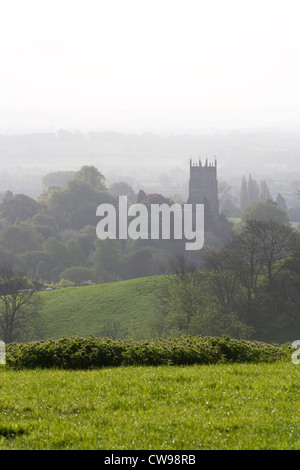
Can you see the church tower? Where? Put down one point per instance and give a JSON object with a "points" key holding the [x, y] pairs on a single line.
{"points": [[203, 189]]}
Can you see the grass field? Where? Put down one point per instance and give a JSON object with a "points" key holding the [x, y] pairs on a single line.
{"points": [[86, 310], [229, 406], [133, 305]]}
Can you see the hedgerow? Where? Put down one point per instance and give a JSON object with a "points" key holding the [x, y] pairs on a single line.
{"points": [[91, 352]]}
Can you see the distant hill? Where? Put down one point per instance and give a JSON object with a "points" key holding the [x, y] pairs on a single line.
{"points": [[127, 306]]}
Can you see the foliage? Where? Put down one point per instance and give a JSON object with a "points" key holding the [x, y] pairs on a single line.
{"points": [[79, 275], [254, 276], [18, 208], [123, 189], [107, 259], [251, 192], [91, 352], [20, 238], [265, 211], [199, 302], [92, 176], [58, 178]]}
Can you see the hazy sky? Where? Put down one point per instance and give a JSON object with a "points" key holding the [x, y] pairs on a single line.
{"points": [[149, 65]]}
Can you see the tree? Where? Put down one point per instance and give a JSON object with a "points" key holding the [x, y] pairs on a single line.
{"points": [[20, 304], [79, 275], [76, 255], [20, 238], [244, 194], [58, 253], [275, 240], [265, 211], [58, 178], [107, 259], [123, 189], [230, 209], [264, 192], [18, 208], [223, 281], [193, 307], [75, 207], [253, 190], [254, 260]]}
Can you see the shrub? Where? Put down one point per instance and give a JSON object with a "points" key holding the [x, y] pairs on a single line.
{"points": [[91, 352]]}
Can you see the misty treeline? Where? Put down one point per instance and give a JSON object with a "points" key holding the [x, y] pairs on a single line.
{"points": [[244, 282], [253, 191], [53, 238]]}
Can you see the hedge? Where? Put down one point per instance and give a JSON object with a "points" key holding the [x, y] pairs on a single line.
{"points": [[91, 352]]}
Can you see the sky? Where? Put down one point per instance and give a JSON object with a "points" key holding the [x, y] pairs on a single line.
{"points": [[141, 65]]}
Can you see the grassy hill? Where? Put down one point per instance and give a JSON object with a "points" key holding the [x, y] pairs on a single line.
{"points": [[132, 305], [125, 309]]}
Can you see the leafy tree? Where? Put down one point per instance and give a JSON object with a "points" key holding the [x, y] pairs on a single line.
{"points": [[264, 211], [92, 176], [275, 240], [281, 202], [86, 240], [58, 178], [42, 219], [20, 238], [79, 274], [20, 305], [38, 264], [264, 192], [58, 252], [18, 208], [10, 258], [253, 190], [75, 207], [142, 262], [222, 280], [245, 275], [230, 209], [123, 189], [193, 308], [45, 231], [76, 255], [244, 202], [107, 259]]}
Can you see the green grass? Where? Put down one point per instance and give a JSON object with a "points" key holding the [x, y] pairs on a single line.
{"points": [[228, 406], [86, 310], [133, 305]]}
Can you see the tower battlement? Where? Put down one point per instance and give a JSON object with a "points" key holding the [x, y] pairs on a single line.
{"points": [[205, 165]]}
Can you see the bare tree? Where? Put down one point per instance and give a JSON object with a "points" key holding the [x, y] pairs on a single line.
{"points": [[20, 304]]}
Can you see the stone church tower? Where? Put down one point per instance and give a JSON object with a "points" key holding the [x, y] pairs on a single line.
{"points": [[203, 189]]}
